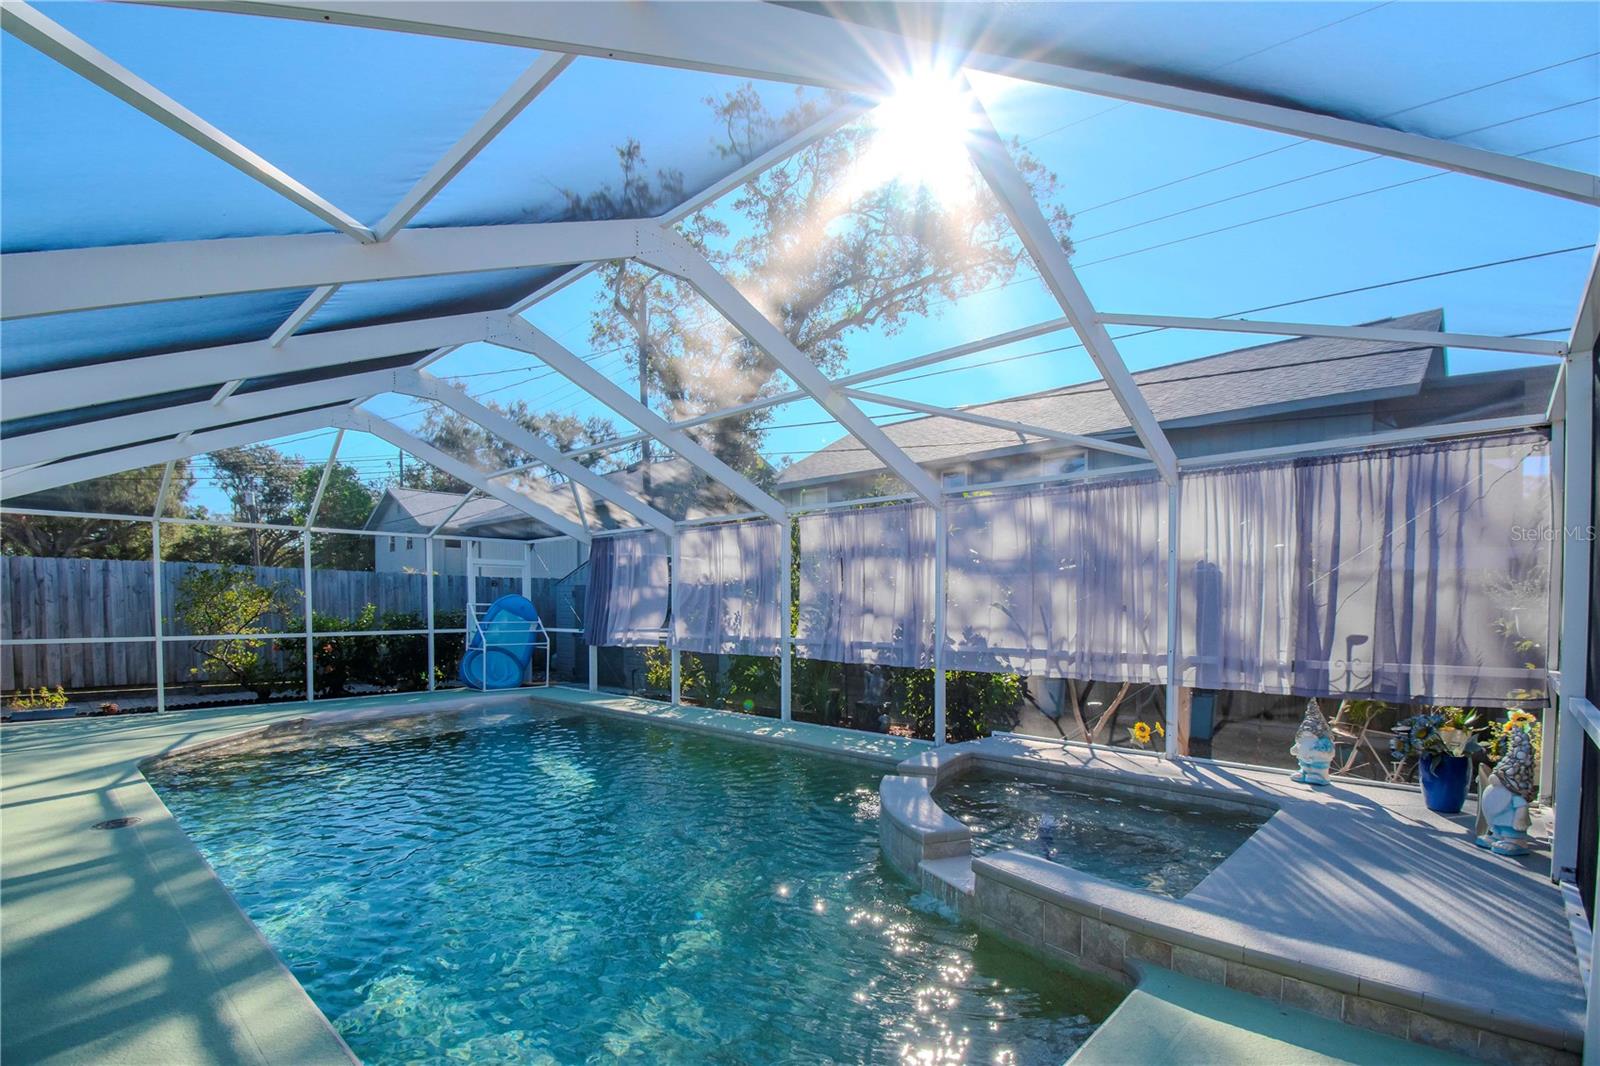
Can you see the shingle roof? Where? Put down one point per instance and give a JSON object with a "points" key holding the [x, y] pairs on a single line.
{"points": [[412, 511], [1307, 371], [675, 488]]}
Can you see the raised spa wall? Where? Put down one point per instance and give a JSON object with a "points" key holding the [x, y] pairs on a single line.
{"points": [[1071, 919]]}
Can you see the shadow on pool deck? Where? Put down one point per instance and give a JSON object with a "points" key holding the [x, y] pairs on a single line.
{"points": [[121, 945]]}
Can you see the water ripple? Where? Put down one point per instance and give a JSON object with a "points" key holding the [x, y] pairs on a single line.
{"points": [[575, 890]]}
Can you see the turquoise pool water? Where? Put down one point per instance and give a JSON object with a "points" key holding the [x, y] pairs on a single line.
{"points": [[565, 890], [1162, 847]]}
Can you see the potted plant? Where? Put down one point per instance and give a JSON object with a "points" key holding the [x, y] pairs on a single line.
{"points": [[1441, 741]]}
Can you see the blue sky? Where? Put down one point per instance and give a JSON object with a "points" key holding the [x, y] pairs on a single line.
{"points": [[1173, 214]]}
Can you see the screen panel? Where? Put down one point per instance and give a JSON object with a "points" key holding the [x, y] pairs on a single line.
{"points": [[357, 114]]}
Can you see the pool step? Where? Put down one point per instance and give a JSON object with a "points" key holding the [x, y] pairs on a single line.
{"points": [[1179, 1021], [951, 882]]}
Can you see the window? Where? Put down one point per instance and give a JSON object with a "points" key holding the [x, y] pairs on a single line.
{"points": [[391, 544], [954, 479], [410, 544], [1072, 464], [988, 471], [452, 544]]}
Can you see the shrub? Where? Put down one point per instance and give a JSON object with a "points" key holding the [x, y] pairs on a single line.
{"points": [[228, 600], [976, 703], [384, 660], [39, 699]]}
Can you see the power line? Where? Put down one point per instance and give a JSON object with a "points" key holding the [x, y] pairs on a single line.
{"points": [[1296, 143], [1220, 67], [1298, 210], [1317, 174]]}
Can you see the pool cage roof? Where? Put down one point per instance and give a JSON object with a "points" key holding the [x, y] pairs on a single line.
{"points": [[159, 304]]}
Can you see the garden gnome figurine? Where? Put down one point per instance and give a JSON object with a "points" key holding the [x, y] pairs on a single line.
{"points": [[1504, 803], [1313, 747]]}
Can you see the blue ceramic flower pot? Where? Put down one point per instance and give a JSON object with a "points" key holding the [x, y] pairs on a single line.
{"points": [[1444, 782]]}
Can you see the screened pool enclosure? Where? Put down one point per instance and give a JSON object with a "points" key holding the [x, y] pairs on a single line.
{"points": [[783, 358]]}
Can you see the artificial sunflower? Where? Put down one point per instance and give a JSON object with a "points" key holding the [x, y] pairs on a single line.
{"points": [[1141, 732], [1518, 719]]}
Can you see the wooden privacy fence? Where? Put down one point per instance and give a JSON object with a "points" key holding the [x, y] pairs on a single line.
{"points": [[67, 600]]}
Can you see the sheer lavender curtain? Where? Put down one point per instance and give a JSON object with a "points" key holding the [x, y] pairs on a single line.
{"points": [[1239, 563], [1413, 575], [1061, 582], [866, 586], [729, 591], [629, 583]]}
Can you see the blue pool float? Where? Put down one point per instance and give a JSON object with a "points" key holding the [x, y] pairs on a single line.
{"points": [[512, 626]]}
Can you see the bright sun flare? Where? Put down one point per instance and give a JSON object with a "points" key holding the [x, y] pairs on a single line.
{"points": [[920, 138]]}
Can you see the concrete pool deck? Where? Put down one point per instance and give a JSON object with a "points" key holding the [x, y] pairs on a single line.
{"points": [[1353, 901], [121, 946]]}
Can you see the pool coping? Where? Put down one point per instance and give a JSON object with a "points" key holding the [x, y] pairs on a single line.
{"points": [[1079, 920], [125, 946]]}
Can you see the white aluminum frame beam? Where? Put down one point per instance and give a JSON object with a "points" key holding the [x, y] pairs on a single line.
{"points": [[83, 279], [46, 392], [1410, 435], [533, 81], [54, 475], [51, 445], [1420, 337], [366, 422], [1056, 325], [1021, 428], [426, 386], [512, 102], [519, 335], [802, 140], [1586, 325], [677, 256], [1347, 133], [150, 375], [1577, 512], [781, 44], [861, 377], [31, 27], [322, 482], [302, 314], [994, 162], [472, 494]]}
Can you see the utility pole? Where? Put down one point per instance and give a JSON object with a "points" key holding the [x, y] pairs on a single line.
{"points": [[644, 398], [253, 515]]}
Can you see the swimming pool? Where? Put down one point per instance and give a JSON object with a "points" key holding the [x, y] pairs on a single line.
{"points": [[536, 888], [1162, 846]]}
